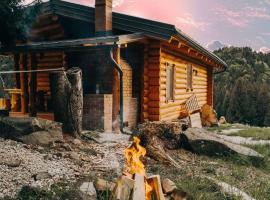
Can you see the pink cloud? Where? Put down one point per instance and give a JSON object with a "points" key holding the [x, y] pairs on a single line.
{"points": [[265, 50], [188, 21]]}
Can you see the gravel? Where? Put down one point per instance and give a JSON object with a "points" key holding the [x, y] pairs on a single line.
{"points": [[24, 165], [12, 179]]}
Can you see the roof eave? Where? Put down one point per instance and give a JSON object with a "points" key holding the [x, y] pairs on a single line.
{"points": [[199, 48]]}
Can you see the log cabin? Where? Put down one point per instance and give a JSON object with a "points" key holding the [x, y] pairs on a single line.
{"points": [[134, 69]]}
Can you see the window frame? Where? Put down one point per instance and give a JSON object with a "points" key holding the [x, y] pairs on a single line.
{"points": [[170, 82], [189, 85]]}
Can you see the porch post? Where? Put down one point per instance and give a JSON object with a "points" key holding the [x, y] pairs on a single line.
{"points": [[33, 86], [24, 84], [210, 87], [17, 68], [116, 93]]}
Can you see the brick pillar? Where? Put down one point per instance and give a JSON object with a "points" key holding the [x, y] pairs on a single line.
{"points": [[97, 112]]}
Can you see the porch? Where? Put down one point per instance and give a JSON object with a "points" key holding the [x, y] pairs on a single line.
{"points": [[101, 64]]}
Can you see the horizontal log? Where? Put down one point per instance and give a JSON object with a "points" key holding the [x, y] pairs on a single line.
{"points": [[153, 111], [154, 104], [154, 73], [154, 117], [145, 115]]}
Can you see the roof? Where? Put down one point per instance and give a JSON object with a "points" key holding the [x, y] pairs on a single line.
{"points": [[150, 28], [76, 45]]}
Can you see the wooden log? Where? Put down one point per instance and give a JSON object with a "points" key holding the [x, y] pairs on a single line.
{"points": [[67, 95], [123, 189], [155, 182], [139, 188]]}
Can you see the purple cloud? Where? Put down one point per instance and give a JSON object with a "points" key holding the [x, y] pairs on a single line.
{"points": [[242, 17]]}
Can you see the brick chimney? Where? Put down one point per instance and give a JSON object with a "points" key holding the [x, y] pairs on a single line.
{"points": [[103, 17]]}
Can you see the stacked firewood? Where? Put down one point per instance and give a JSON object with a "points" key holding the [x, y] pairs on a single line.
{"points": [[135, 185]]}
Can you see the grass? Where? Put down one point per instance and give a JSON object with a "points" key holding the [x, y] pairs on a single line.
{"points": [[257, 133], [254, 132], [249, 174], [58, 191], [198, 188]]}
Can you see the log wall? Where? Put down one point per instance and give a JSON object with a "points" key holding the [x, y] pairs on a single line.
{"points": [[155, 106], [172, 110], [47, 28], [151, 81]]}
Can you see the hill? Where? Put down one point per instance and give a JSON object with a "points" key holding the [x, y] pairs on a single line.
{"points": [[242, 93]]}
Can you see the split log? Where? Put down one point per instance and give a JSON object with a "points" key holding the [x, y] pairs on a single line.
{"points": [[123, 188], [155, 183], [139, 188], [67, 95]]}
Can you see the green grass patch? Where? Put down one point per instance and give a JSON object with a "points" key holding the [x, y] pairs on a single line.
{"points": [[196, 187], [256, 133], [58, 191]]}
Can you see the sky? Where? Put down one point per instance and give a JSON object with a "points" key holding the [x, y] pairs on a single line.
{"points": [[231, 22]]}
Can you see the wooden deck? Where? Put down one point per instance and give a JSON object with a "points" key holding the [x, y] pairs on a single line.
{"points": [[48, 116]]}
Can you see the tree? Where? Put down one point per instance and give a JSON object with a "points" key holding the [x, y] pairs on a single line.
{"points": [[15, 18], [242, 93]]}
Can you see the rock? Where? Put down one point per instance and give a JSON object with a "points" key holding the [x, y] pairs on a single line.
{"points": [[77, 142], [222, 120], [59, 154], [103, 185], [88, 190], [168, 186], [40, 148], [179, 195], [41, 176], [48, 157], [75, 156], [12, 162], [66, 146], [43, 138], [30, 130]]}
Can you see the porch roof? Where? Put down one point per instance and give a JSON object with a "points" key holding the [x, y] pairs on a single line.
{"points": [[73, 45]]}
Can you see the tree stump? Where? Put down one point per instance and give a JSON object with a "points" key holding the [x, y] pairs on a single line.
{"points": [[67, 96]]}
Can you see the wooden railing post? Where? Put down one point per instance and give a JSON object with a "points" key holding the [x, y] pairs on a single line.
{"points": [[24, 84], [33, 86]]}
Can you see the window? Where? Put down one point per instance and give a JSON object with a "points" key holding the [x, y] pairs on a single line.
{"points": [[189, 77], [170, 82]]}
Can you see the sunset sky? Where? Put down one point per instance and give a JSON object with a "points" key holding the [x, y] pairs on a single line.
{"points": [[232, 22]]}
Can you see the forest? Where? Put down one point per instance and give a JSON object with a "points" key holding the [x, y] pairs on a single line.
{"points": [[242, 93]]}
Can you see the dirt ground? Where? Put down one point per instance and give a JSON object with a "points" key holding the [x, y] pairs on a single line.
{"points": [[103, 157]]}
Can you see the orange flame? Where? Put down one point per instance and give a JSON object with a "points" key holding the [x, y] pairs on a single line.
{"points": [[134, 165]]}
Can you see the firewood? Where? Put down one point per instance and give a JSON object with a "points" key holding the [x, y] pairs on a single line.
{"points": [[139, 188], [155, 182], [123, 188], [195, 120]]}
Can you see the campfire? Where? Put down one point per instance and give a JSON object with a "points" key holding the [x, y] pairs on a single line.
{"points": [[134, 184]]}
